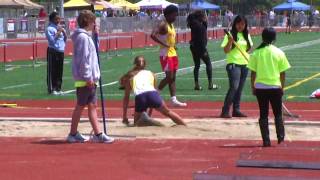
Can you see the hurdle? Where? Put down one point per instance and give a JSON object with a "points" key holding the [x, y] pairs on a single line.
{"points": [[6, 60], [108, 40], [3, 45]]}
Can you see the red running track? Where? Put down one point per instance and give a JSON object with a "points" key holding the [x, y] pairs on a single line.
{"points": [[38, 159], [199, 110]]}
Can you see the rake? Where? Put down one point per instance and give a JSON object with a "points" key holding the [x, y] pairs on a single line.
{"points": [[286, 111], [96, 44]]}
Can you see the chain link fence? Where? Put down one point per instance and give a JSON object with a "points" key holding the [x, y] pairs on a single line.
{"points": [[35, 28]]}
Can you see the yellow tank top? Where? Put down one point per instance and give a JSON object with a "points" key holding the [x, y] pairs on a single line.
{"points": [[170, 40], [142, 82]]}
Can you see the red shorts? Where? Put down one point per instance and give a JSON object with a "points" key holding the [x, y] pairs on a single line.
{"points": [[169, 63]]}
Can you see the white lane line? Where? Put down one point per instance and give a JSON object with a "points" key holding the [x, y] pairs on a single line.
{"points": [[309, 62], [15, 86], [107, 71], [113, 120], [180, 95], [198, 95], [191, 78], [181, 71], [305, 67], [218, 63], [50, 119], [10, 67], [306, 52], [300, 45], [73, 90]]}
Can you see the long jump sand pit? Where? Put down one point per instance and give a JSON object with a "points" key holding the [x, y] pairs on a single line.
{"points": [[215, 128]]}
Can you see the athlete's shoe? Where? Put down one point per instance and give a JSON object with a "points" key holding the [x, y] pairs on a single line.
{"points": [[198, 88], [102, 138], [77, 138], [213, 87], [61, 93], [146, 120], [178, 103], [57, 93]]}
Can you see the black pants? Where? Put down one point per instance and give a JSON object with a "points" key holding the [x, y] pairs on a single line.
{"points": [[197, 55], [54, 70], [274, 97]]}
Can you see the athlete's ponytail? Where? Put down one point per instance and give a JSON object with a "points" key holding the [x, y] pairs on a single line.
{"points": [[139, 64]]}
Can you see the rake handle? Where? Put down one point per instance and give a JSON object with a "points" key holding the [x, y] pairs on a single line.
{"points": [[96, 44], [286, 110], [237, 45]]}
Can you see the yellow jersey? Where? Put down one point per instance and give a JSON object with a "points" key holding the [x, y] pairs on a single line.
{"points": [[170, 40]]}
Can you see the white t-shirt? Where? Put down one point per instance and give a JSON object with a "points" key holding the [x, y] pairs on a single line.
{"points": [[142, 82]]}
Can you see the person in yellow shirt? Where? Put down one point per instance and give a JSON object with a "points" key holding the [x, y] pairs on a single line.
{"points": [[165, 35], [236, 65], [268, 65]]}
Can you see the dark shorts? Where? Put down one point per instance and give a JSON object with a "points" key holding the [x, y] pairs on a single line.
{"points": [[147, 100], [86, 95]]}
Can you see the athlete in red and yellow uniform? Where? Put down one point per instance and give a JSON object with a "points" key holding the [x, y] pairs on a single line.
{"points": [[168, 55], [165, 35]]}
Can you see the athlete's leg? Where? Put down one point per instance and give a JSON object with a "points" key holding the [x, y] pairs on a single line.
{"points": [[196, 60], [172, 115]]}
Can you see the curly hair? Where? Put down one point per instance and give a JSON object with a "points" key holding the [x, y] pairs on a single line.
{"points": [[196, 16], [170, 9]]}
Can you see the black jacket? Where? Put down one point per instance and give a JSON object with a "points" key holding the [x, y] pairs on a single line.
{"points": [[199, 36]]}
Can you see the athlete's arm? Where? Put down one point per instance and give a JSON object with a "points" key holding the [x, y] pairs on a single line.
{"points": [[253, 79], [282, 79], [228, 47], [126, 102], [161, 29], [154, 81]]}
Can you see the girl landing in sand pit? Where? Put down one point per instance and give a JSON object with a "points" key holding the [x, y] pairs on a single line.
{"points": [[142, 83]]}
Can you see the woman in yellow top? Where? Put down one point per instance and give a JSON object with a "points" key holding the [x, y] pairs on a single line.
{"points": [[268, 65], [236, 65]]}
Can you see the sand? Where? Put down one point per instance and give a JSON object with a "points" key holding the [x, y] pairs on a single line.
{"points": [[197, 129]]}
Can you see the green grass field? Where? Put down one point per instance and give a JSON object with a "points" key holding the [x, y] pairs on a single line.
{"points": [[22, 81]]}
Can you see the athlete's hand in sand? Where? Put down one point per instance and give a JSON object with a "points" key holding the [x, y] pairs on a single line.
{"points": [[125, 121]]}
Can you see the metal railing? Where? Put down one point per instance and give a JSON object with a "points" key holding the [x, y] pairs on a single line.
{"points": [[35, 27]]}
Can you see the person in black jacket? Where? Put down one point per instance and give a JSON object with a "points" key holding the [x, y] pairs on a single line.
{"points": [[197, 22]]}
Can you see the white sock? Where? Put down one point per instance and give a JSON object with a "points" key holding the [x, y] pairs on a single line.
{"points": [[173, 98]]}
